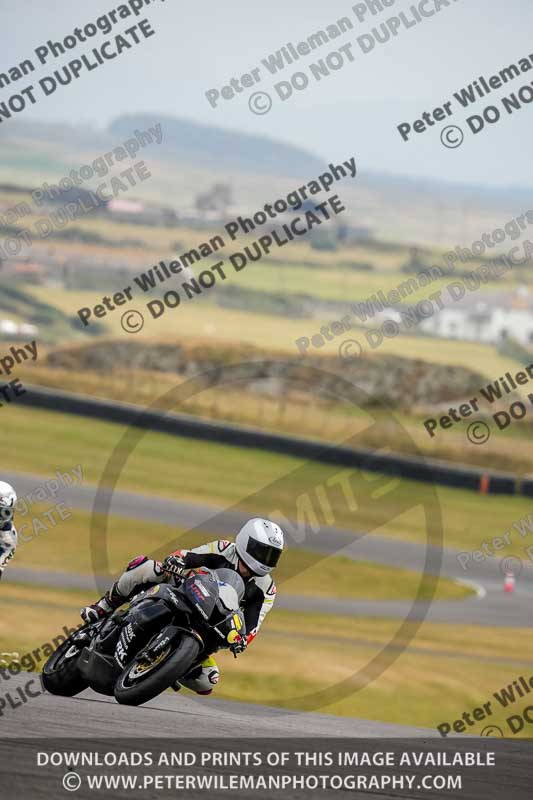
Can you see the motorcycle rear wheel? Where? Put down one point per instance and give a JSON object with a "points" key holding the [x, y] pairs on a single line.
{"points": [[132, 689]]}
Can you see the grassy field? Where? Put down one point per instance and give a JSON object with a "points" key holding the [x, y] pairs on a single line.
{"points": [[255, 480], [329, 283], [444, 671], [508, 450], [386, 259], [67, 546], [160, 242], [278, 333], [194, 319]]}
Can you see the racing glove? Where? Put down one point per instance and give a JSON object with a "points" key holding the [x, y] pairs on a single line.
{"points": [[93, 613], [239, 646], [174, 564]]}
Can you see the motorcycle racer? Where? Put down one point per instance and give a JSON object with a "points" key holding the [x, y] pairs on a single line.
{"points": [[254, 554], [8, 533]]}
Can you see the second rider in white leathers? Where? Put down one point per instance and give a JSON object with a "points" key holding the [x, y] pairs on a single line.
{"points": [[8, 532]]}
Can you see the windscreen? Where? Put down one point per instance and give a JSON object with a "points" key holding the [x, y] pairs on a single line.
{"points": [[231, 578]]}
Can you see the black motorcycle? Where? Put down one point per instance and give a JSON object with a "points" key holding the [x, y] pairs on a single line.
{"points": [[166, 632]]}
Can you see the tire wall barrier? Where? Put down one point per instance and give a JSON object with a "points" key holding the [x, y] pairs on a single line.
{"points": [[418, 469]]}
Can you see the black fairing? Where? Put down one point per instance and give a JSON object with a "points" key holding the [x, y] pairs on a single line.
{"points": [[201, 591], [146, 617], [96, 662], [150, 614], [163, 595]]}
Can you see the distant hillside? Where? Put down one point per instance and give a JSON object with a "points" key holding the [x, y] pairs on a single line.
{"points": [[195, 145], [206, 145], [193, 156]]}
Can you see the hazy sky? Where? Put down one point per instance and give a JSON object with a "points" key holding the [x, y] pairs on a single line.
{"points": [[199, 46]]}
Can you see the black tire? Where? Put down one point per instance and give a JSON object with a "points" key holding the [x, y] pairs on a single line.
{"points": [[61, 676], [160, 678]]}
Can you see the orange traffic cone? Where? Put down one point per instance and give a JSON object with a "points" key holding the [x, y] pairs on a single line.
{"points": [[509, 583]]}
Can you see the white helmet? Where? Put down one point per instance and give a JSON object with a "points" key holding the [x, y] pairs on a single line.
{"points": [[259, 545], [8, 498]]}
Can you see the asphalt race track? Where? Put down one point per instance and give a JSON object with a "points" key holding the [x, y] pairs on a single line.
{"points": [[92, 724], [171, 714]]}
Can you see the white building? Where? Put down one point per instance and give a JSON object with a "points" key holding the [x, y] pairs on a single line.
{"points": [[485, 317], [17, 330]]}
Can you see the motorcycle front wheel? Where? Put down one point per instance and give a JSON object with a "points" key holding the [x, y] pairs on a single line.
{"points": [[142, 680], [60, 673]]}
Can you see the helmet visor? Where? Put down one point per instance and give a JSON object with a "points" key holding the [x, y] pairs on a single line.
{"points": [[263, 553], [6, 514]]}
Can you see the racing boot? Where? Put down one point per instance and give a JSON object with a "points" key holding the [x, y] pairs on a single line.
{"points": [[111, 600], [202, 679]]}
